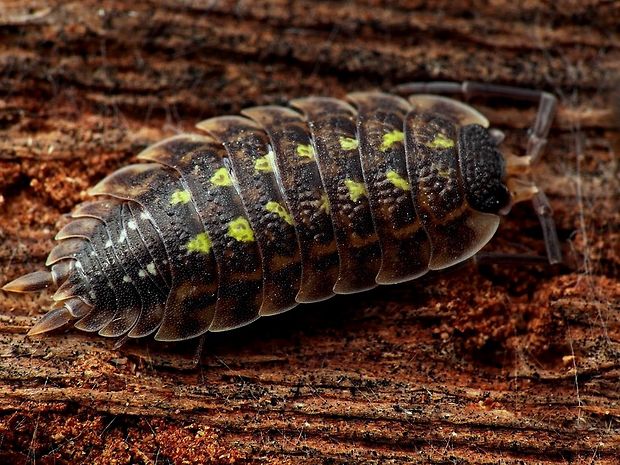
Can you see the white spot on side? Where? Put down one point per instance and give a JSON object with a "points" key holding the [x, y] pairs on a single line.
{"points": [[123, 237], [145, 216], [79, 267], [151, 268], [92, 295], [126, 279], [142, 273], [131, 224], [108, 244]]}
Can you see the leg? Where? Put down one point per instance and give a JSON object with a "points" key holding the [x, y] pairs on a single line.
{"points": [[198, 354], [537, 134], [545, 216], [120, 342]]}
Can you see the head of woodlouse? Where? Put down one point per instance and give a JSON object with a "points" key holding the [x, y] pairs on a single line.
{"points": [[495, 181], [483, 169]]}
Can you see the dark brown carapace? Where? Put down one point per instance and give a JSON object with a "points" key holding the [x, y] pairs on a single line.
{"points": [[257, 213]]}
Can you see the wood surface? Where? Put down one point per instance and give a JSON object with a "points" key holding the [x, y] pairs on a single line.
{"points": [[505, 364]]}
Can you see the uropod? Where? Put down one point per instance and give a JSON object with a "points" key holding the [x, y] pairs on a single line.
{"points": [[254, 214]]}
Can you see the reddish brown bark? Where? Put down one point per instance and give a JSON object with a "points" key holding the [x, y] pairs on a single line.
{"points": [[505, 364]]}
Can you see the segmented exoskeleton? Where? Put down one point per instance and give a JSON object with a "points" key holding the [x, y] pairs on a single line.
{"points": [[280, 206]]}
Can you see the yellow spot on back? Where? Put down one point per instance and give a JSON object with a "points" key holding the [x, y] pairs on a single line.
{"points": [[264, 164], [348, 143], [305, 151], [240, 230], [180, 196], [221, 177], [200, 244], [325, 206], [356, 189], [397, 180], [391, 138], [275, 207], [441, 142]]}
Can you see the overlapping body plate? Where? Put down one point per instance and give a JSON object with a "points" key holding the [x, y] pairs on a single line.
{"points": [[405, 245], [252, 161], [208, 187], [189, 305], [334, 132], [295, 160], [455, 230]]}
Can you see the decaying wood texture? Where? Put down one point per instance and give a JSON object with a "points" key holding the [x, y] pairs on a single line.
{"points": [[496, 364]]}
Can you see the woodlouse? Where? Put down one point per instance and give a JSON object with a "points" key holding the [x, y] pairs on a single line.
{"points": [[277, 207]]}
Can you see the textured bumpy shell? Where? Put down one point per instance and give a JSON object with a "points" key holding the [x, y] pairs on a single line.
{"points": [[280, 206]]}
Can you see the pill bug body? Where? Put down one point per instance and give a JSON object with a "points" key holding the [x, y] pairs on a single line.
{"points": [[256, 213]]}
